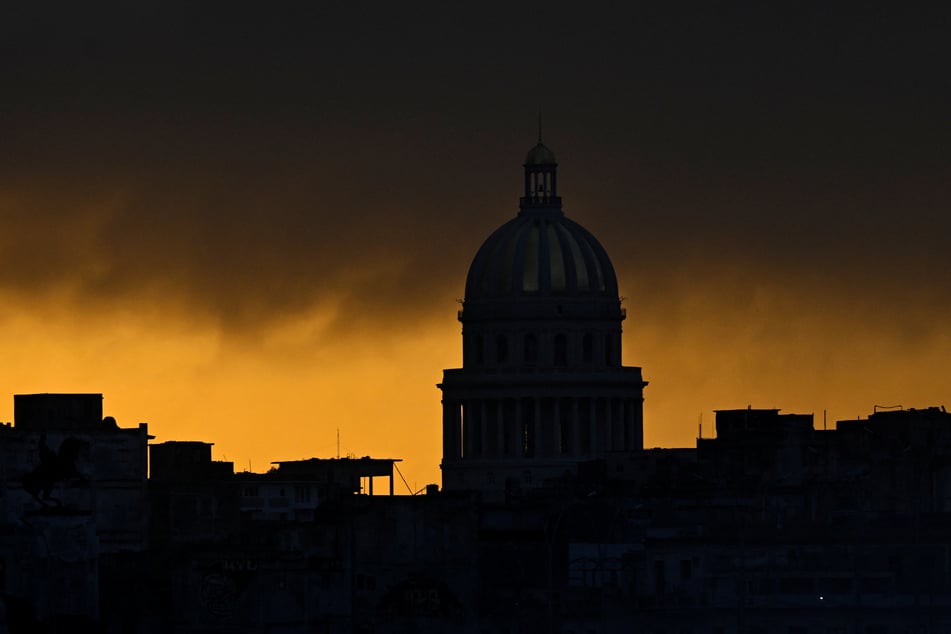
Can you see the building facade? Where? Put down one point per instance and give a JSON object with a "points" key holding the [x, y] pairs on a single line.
{"points": [[73, 498]]}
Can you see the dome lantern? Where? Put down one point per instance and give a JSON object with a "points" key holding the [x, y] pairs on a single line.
{"points": [[540, 177]]}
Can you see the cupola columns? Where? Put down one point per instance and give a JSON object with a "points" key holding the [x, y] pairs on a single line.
{"points": [[541, 182]]}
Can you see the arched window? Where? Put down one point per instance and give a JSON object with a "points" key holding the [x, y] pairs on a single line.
{"points": [[587, 346], [501, 349], [531, 349], [561, 350]]}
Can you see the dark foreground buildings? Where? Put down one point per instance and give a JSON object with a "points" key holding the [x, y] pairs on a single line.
{"points": [[552, 517]]}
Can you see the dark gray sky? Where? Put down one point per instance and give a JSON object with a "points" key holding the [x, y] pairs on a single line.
{"points": [[282, 146]]}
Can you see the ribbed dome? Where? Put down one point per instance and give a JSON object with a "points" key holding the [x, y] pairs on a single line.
{"points": [[541, 253]]}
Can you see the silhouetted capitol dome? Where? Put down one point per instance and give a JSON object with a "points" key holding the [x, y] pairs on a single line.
{"points": [[542, 387], [541, 253]]}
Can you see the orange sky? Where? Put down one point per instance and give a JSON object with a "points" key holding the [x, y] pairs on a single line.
{"points": [[284, 394], [250, 227]]}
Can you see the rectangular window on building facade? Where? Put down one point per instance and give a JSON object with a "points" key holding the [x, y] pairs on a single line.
{"points": [[686, 569], [660, 578], [302, 493]]}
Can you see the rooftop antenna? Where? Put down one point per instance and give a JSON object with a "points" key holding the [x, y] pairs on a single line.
{"points": [[338, 443], [403, 478]]}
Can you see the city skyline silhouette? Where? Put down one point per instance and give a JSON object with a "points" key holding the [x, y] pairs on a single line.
{"points": [[306, 328], [225, 224]]}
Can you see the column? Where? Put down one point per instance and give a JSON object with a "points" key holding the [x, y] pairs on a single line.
{"points": [[516, 430], [476, 410], [461, 426], [499, 430], [450, 447], [575, 428], [625, 425], [536, 443], [593, 427]]}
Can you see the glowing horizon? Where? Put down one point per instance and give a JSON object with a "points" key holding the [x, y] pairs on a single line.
{"points": [[284, 396]]}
